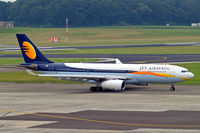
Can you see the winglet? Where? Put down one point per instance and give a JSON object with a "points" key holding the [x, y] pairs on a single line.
{"points": [[117, 61]]}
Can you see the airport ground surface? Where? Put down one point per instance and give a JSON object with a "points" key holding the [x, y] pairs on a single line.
{"points": [[73, 108], [126, 58], [14, 48]]}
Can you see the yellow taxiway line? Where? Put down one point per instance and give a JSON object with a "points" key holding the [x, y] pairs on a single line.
{"points": [[100, 121]]}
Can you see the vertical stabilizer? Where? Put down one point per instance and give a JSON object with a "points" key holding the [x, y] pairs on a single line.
{"points": [[30, 52]]}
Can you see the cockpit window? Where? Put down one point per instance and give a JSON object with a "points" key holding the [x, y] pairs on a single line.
{"points": [[184, 71]]}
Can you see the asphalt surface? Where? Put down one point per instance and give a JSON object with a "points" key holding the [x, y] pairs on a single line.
{"points": [[108, 46], [73, 108], [126, 58], [114, 120]]}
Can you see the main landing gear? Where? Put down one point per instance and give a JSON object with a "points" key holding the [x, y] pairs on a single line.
{"points": [[172, 87], [96, 89]]}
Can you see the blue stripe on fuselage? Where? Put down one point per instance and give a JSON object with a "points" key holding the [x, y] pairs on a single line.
{"points": [[61, 67]]}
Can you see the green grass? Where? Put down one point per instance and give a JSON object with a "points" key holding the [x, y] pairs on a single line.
{"points": [[16, 61], [194, 68], [24, 77], [4, 62], [136, 50], [104, 35], [10, 52]]}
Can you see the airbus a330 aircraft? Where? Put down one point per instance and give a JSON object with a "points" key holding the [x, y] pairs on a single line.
{"points": [[105, 76]]}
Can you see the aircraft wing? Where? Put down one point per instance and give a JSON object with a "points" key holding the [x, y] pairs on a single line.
{"points": [[85, 76], [81, 76]]}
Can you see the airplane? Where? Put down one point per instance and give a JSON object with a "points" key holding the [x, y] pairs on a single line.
{"points": [[104, 75]]}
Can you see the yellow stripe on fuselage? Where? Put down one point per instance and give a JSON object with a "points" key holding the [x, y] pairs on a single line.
{"points": [[157, 74], [152, 73], [183, 78]]}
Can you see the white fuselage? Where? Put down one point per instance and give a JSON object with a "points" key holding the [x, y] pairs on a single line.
{"points": [[142, 73]]}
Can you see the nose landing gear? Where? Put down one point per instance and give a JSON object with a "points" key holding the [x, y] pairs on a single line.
{"points": [[172, 88]]}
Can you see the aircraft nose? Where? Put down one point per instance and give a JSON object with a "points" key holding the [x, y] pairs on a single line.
{"points": [[191, 75]]}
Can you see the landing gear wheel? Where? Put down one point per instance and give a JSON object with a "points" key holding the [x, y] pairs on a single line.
{"points": [[96, 89], [99, 89], [172, 89], [93, 89]]}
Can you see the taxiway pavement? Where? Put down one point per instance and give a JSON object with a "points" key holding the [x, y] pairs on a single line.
{"points": [[73, 108], [126, 58], [103, 46]]}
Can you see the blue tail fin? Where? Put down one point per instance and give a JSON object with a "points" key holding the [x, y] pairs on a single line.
{"points": [[30, 52]]}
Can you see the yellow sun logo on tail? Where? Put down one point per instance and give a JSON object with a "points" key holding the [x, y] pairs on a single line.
{"points": [[29, 50]]}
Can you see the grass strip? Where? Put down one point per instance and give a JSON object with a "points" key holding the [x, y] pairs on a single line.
{"points": [[136, 50], [104, 35], [194, 68]]}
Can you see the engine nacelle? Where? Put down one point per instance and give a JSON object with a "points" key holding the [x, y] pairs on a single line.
{"points": [[114, 84]]}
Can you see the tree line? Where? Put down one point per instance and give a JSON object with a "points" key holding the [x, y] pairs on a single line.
{"points": [[100, 12]]}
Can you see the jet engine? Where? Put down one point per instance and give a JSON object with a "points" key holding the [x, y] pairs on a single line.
{"points": [[113, 84]]}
